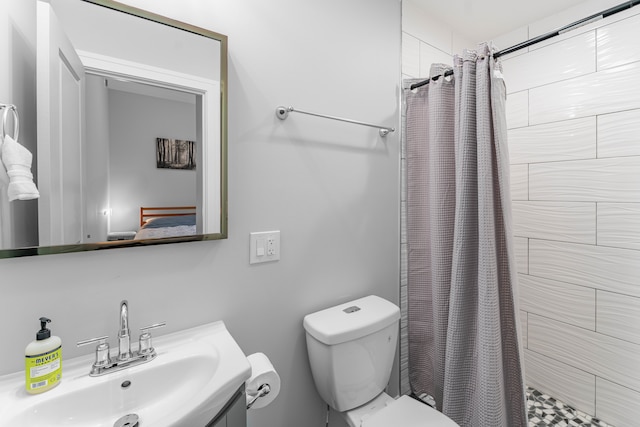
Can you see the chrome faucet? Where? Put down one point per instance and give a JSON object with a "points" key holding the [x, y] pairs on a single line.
{"points": [[124, 337], [126, 358]]}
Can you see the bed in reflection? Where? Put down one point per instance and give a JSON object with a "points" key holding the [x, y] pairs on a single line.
{"points": [[166, 221]]}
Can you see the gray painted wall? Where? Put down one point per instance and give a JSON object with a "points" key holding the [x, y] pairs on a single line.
{"points": [[331, 188], [135, 121]]}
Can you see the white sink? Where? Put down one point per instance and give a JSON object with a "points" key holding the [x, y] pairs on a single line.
{"points": [[195, 373]]}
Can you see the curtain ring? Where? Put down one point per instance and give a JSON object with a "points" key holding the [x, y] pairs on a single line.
{"points": [[16, 121]]}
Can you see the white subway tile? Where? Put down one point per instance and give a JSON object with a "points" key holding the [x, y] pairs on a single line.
{"points": [[563, 221], [422, 25], [617, 405], [404, 272], [607, 91], [562, 18], [550, 298], [517, 109], [519, 182], [405, 388], [568, 16], [406, 84], [403, 216], [460, 42], [619, 316], [523, 328], [404, 294], [560, 61], [608, 94], [602, 180], [410, 55], [615, 46], [607, 357], [522, 254], [619, 225], [430, 55], [512, 38], [609, 269], [573, 386], [565, 140], [619, 134], [403, 172]]}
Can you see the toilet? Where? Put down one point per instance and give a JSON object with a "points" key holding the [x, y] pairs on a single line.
{"points": [[351, 350]]}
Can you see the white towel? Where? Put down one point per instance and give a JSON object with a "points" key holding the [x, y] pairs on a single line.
{"points": [[17, 162], [4, 178]]}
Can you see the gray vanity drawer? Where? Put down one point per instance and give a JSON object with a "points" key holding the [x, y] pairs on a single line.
{"points": [[234, 413]]}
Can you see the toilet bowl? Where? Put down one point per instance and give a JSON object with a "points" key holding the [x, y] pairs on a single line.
{"points": [[384, 411], [351, 350]]}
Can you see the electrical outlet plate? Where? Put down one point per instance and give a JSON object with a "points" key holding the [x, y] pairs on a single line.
{"points": [[264, 246]]}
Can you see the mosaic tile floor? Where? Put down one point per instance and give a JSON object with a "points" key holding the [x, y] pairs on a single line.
{"points": [[546, 411]]}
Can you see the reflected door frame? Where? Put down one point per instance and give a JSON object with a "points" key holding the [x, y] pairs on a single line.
{"points": [[208, 110], [60, 81]]}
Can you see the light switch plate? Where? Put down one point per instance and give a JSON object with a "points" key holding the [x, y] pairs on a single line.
{"points": [[264, 246]]}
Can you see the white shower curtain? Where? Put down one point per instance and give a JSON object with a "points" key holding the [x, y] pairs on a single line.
{"points": [[462, 306]]}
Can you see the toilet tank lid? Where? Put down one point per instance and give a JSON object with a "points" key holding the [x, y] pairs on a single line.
{"points": [[351, 320]]}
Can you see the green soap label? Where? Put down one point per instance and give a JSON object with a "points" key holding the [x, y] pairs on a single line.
{"points": [[43, 369]]}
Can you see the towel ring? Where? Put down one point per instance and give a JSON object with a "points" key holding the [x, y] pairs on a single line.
{"points": [[16, 120]]}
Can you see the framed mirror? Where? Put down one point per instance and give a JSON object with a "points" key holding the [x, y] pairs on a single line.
{"points": [[132, 130]]}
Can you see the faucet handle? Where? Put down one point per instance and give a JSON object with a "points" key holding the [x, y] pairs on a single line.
{"points": [[146, 329], [102, 350], [145, 348]]}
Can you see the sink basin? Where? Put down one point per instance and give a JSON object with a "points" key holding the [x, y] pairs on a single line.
{"points": [[195, 373]]}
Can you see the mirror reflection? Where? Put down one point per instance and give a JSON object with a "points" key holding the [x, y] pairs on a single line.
{"points": [[131, 140]]}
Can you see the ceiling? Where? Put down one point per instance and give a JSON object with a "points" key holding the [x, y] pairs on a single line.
{"points": [[485, 19]]}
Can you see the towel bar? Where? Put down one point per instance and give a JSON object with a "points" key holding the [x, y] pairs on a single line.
{"points": [[283, 113], [16, 120]]}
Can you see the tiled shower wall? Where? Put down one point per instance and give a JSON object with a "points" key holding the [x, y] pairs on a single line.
{"points": [[573, 113], [574, 130]]}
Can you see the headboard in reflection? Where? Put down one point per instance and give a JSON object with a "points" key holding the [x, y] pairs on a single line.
{"points": [[119, 88]]}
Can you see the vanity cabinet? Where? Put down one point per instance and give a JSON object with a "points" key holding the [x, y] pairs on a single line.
{"points": [[234, 413]]}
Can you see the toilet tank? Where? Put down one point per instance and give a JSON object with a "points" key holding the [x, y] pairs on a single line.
{"points": [[351, 350]]}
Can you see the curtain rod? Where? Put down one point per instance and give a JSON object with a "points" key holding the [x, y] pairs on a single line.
{"points": [[584, 21]]}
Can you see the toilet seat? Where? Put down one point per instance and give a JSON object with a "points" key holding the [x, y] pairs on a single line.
{"points": [[408, 412]]}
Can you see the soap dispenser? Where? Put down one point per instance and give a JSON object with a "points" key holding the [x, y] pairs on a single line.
{"points": [[43, 360]]}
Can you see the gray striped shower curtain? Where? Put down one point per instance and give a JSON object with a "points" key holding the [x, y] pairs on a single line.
{"points": [[462, 289]]}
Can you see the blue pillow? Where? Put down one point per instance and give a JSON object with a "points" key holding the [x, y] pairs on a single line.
{"points": [[170, 221]]}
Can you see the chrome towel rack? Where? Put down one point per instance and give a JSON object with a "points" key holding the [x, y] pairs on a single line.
{"points": [[16, 120], [283, 112]]}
